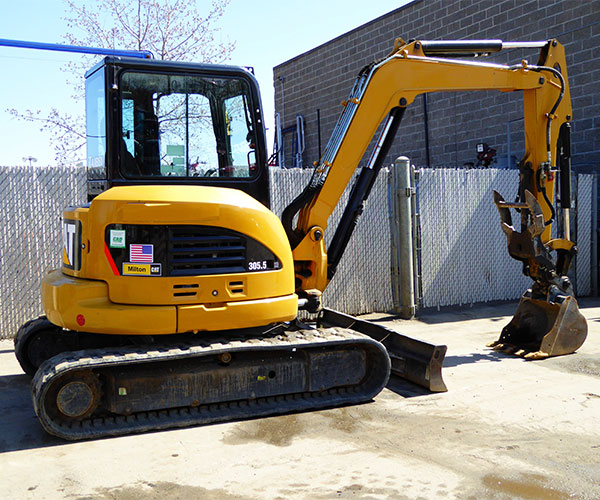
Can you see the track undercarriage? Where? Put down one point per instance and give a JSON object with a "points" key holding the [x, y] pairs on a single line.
{"points": [[187, 380]]}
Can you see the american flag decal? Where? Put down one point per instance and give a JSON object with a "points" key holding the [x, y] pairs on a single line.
{"points": [[141, 253]]}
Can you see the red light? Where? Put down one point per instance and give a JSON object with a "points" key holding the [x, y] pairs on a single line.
{"points": [[80, 319]]}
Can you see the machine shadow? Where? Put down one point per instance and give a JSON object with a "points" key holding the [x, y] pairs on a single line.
{"points": [[404, 388], [20, 429], [492, 356], [19, 426]]}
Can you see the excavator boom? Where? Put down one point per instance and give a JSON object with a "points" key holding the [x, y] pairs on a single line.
{"points": [[379, 97]]}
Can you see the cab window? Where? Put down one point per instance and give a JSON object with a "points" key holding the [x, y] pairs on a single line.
{"points": [[185, 126], [95, 125]]}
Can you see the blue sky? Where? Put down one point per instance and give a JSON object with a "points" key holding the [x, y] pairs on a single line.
{"points": [[266, 32]]}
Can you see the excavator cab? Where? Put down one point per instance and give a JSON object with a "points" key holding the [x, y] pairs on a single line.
{"points": [[156, 122]]}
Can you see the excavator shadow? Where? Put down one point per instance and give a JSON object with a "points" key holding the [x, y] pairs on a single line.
{"points": [[492, 356], [407, 389], [404, 388], [19, 427]]}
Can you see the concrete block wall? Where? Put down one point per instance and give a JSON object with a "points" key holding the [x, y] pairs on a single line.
{"points": [[321, 78]]}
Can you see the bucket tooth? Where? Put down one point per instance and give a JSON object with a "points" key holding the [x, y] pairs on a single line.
{"points": [[536, 355], [541, 329]]}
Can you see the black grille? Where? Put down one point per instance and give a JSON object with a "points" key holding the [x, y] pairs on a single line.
{"points": [[205, 250]]}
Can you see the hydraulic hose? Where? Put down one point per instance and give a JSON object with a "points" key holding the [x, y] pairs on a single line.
{"points": [[542, 189], [558, 101], [550, 116]]}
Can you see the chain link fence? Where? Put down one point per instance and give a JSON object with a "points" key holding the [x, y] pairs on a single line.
{"points": [[463, 251], [31, 200], [583, 235], [362, 283]]}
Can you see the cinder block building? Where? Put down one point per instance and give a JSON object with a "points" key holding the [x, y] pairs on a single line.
{"points": [[443, 129]]}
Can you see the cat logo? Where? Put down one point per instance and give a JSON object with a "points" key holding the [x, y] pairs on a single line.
{"points": [[71, 244]]}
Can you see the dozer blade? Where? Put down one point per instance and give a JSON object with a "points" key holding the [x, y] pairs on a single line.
{"points": [[412, 359], [540, 329]]}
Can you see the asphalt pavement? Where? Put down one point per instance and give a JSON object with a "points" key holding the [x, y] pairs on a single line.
{"points": [[506, 429]]}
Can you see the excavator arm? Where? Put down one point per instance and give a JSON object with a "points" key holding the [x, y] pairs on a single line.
{"points": [[379, 97]]}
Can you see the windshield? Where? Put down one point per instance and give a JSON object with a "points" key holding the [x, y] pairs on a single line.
{"points": [[186, 126]]}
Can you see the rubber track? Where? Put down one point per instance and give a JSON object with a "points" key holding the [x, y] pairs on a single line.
{"points": [[22, 337], [115, 425]]}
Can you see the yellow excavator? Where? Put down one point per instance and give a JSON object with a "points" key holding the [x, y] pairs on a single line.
{"points": [[178, 296]]}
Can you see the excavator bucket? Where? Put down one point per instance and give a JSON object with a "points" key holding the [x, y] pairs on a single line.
{"points": [[540, 329], [551, 324]]}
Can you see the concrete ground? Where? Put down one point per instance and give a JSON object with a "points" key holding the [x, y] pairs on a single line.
{"points": [[507, 429]]}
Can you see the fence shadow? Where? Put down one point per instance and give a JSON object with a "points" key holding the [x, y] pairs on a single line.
{"points": [[494, 311], [407, 389], [19, 426]]}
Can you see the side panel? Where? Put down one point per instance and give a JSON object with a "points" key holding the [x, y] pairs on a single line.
{"points": [[171, 259]]}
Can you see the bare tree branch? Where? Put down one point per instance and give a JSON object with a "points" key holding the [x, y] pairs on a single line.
{"points": [[170, 29], [65, 131]]}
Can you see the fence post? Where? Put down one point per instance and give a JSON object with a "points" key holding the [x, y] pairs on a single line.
{"points": [[402, 241], [594, 250]]}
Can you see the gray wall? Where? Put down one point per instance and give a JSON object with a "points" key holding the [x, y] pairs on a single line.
{"points": [[321, 78]]}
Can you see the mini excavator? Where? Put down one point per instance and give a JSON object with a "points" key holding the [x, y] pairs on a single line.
{"points": [[178, 296]]}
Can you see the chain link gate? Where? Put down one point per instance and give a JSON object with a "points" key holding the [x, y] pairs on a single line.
{"points": [[584, 226], [464, 258]]}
